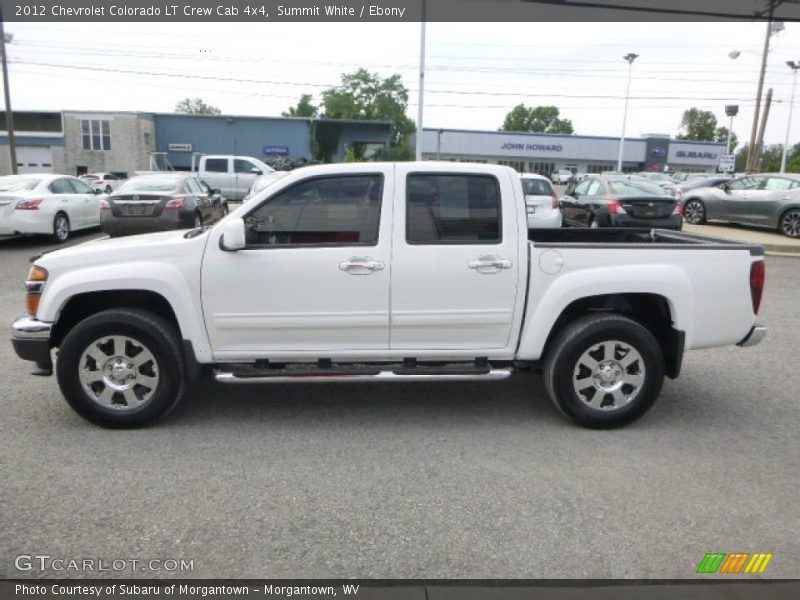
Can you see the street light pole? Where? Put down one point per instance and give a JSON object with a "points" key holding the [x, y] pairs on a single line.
{"points": [[751, 150], [630, 58], [421, 81], [794, 66], [12, 145]]}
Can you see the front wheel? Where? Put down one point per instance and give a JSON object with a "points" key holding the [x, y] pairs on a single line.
{"points": [[604, 371], [121, 368], [790, 223], [694, 212]]}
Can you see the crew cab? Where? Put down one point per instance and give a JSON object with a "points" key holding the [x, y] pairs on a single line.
{"points": [[385, 272]]}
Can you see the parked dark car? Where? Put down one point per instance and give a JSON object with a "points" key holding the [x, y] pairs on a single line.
{"points": [[620, 201], [159, 202]]}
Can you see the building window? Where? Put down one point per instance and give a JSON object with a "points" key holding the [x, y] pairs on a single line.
{"points": [[96, 134], [147, 138], [596, 169], [517, 165]]}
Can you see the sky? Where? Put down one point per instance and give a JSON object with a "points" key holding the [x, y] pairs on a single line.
{"points": [[476, 72]]}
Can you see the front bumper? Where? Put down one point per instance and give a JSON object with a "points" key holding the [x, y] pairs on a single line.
{"points": [[31, 340], [754, 336]]}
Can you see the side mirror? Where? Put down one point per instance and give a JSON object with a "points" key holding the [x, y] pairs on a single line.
{"points": [[98, 191], [256, 171], [233, 235], [215, 191], [725, 187]]}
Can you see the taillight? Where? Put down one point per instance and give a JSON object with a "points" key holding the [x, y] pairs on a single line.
{"points": [[37, 276], [678, 209], [555, 200], [176, 203], [104, 205], [758, 271], [32, 204], [615, 208]]}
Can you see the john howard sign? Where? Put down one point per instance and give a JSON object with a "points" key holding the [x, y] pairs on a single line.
{"points": [[533, 147]]}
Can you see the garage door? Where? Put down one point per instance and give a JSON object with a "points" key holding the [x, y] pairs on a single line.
{"points": [[34, 159]]}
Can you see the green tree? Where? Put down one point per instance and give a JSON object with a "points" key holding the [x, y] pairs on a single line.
{"points": [[196, 106], [698, 125], [538, 119], [304, 108], [367, 96], [721, 136]]}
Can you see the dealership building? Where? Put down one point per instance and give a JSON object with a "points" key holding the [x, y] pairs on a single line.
{"points": [[545, 153], [77, 142]]}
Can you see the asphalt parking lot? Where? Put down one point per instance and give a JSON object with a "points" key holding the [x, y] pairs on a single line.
{"points": [[413, 480]]}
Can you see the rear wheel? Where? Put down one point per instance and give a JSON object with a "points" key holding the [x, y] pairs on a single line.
{"points": [[604, 371], [60, 228], [121, 368], [790, 223], [694, 212]]}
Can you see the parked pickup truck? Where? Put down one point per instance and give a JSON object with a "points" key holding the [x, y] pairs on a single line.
{"points": [[232, 175], [385, 272]]}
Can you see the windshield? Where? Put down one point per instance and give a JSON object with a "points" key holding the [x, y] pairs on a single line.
{"points": [[536, 187], [633, 187], [15, 183], [160, 183]]}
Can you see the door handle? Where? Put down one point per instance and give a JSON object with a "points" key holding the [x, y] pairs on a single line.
{"points": [[489, 264], [358, 265]]}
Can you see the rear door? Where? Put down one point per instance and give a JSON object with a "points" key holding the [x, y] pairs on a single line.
{"points": [[65, 199], [457, 260], [218, 173], [764, 206], [740, 196]]}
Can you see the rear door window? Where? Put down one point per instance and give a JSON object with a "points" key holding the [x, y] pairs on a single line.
{"points": [[217, 165], [61, 186], [452, 209]]}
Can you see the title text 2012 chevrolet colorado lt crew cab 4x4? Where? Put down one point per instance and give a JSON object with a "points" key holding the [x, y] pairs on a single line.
{"points": [[385, 272]]}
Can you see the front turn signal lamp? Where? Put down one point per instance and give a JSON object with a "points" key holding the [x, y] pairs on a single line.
{"points": [[34, 284]]}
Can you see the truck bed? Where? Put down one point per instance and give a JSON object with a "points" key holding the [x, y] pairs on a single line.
{"points": [[633, 237]]}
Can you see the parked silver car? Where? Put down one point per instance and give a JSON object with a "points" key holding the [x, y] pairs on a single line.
{"points": [[767, 200]]}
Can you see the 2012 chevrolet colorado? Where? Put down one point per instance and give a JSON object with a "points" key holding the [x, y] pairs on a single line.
{"points": [[385, 272]]}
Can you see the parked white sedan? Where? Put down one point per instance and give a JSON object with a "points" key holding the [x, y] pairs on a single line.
{"points": [[47, 204], [541, 202], [105, 182]]}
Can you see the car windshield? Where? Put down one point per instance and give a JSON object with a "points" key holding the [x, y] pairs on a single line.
{"points": [[635, 187], [536, 187], [15, 183], [159, 183]]}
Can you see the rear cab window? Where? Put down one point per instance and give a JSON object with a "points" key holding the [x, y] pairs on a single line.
{"points": [[452, 209], [216, 165]]}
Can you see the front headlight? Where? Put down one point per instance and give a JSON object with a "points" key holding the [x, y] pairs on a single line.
{"points": [[34, 284]]}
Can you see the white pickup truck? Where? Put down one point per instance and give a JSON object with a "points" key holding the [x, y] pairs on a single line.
{"points": [[385, 272], [232, 175]]}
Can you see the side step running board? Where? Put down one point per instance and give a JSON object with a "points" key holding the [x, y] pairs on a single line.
{"points": [[404, 375]]}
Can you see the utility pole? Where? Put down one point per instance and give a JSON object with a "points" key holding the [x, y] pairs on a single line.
{"points": [[760, 141], [751, 160], [794, 66], [421, 81], [630, 58], [12, 145]]}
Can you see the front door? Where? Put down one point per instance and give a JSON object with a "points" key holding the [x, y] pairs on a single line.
{"points": [[456, 261], [313, 279]]}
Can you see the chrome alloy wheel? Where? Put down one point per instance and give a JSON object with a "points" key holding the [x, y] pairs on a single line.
{"points": [[61, 228], [609, 375], [693, 212], [790, 223], [118, 372]]}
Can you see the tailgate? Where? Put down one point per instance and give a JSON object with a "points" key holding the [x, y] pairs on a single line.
{"points": [[648, 207]]}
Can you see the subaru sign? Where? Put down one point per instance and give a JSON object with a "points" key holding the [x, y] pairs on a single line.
{"points": [[276, 150]]}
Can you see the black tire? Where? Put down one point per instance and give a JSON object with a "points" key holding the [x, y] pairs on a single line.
{"points": [[563, 362], [694, 212], [789, 223], [154, 334], [61, 228]]}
